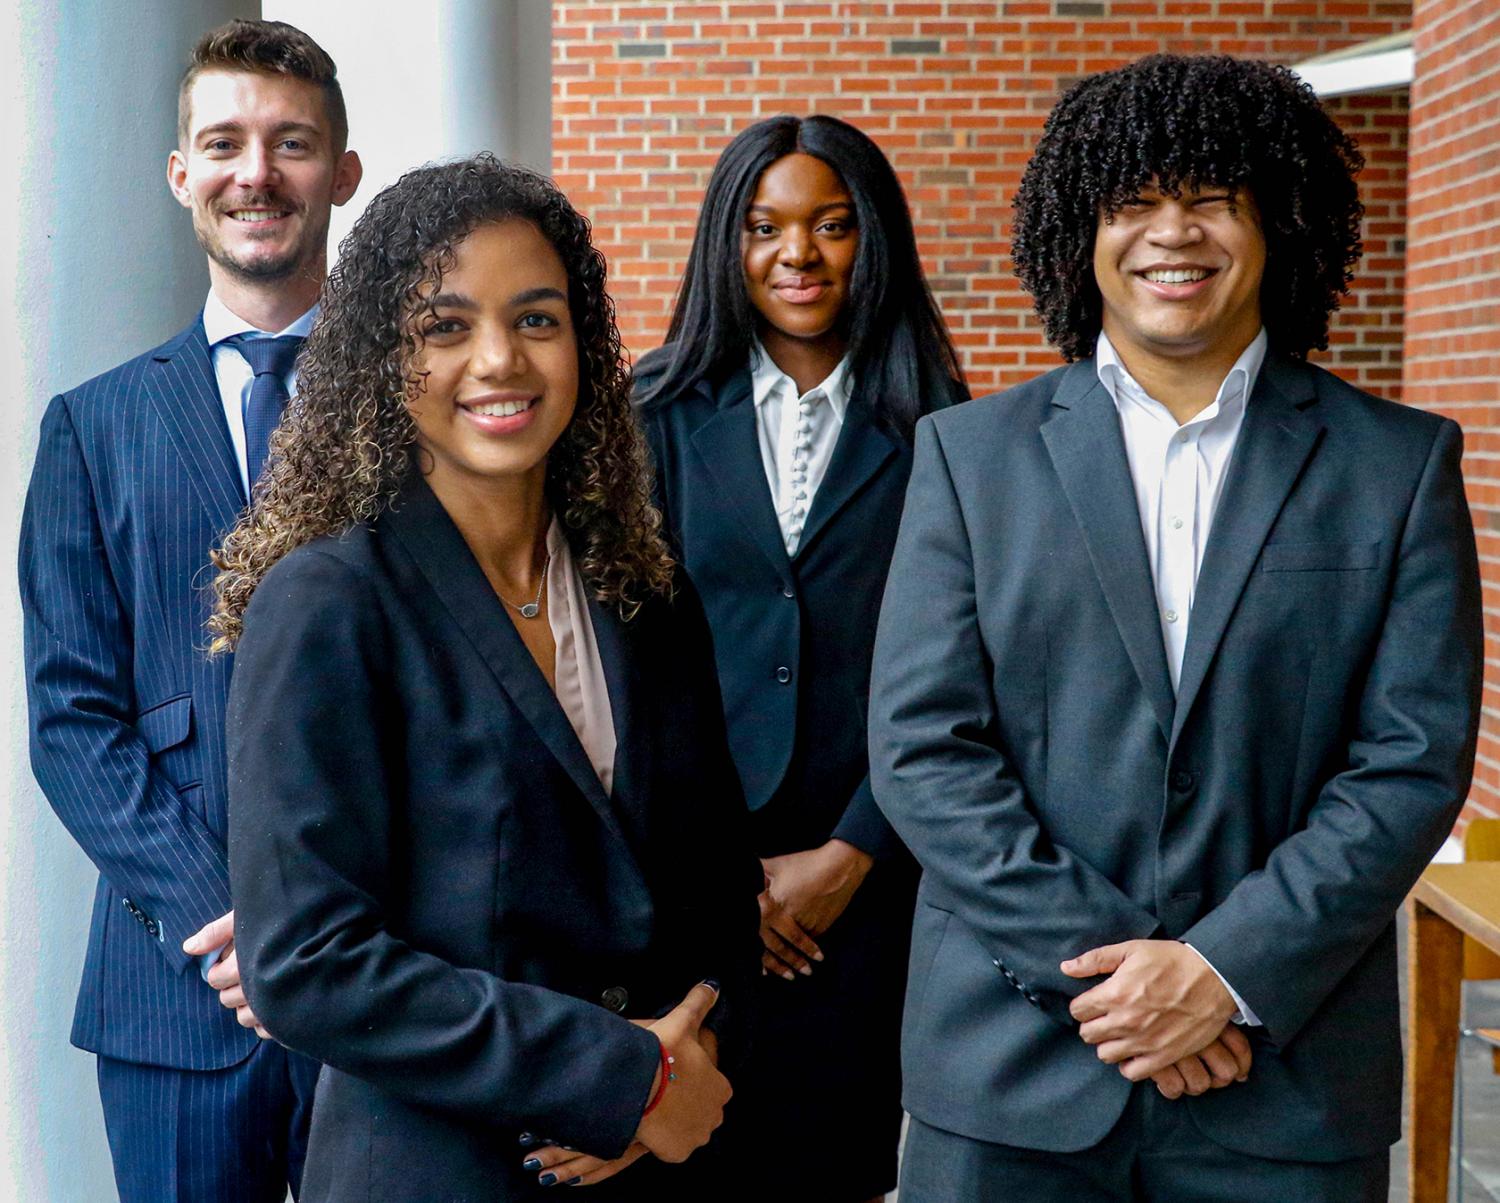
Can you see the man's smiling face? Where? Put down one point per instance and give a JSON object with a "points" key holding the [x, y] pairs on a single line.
{"points": [[1181, 276], [259, 171]]}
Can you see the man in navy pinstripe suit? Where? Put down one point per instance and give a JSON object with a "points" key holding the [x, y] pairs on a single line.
{"points": [[138, 474]]}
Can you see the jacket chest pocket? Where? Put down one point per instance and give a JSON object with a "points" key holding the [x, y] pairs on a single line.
{"points": [[1319, 557]]}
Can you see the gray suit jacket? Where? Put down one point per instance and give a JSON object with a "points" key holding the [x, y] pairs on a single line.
{"points": [[1026, 744]]}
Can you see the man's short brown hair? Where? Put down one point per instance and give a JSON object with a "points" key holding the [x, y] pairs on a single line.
{"points": [[267, 48]]}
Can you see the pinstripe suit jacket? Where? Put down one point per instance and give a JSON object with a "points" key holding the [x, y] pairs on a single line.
{"points": [[135, 480]]}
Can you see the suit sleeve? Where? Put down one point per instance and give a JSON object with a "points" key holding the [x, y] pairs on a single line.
{"points": [[89, 759], [942, 778], [314, 828], [1288, 933]]}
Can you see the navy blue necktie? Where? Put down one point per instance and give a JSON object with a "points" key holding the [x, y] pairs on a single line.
{"points": [[271, 360]]}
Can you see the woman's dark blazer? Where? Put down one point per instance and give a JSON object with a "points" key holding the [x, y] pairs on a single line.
{"points": [[793, 635], [433, 894]]}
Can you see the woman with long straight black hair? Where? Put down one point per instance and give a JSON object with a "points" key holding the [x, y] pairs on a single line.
{"points": [[804, 347]]}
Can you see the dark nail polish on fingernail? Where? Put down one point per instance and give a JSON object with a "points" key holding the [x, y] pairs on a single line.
{"points": [[531, 1163], [574, 1181], [526, 1140], [711, 984], [547, 1180]]}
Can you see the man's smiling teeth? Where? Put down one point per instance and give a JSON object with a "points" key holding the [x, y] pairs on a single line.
{"points": [[1178, 275], [253, 215], [501, 409]]}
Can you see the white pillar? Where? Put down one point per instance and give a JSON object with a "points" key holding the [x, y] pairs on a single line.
{"points": [[100, 264], [437, 80]]}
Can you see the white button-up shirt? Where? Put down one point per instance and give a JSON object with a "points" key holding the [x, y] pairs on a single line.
{"points": [[1178, 473], [232, 371], [797, 433]]}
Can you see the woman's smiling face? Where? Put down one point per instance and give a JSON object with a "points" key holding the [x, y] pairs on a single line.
{"points": [[799, 244], [498, 356]]}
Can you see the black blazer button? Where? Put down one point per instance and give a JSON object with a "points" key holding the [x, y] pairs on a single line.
{"points": [[783, 674], [616, 998], [788, 591], [1183, 780], [151, 928]]}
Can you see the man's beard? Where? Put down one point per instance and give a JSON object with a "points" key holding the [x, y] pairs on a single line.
{"points": [[261, 269]]}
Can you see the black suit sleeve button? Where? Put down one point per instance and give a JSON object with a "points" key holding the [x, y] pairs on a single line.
{"points": [[783, 674], [616, 999]]}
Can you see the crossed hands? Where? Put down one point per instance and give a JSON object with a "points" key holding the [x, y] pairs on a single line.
{"points": [[1161, 1014], [688, 1110], [225, 974], [805, 892]]}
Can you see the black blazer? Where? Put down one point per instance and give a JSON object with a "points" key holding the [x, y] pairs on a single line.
{"points": [[793, 635], [1028, 746], [433, 894]]}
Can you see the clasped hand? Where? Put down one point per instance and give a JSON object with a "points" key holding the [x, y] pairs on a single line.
{"points": [[805, 893], [1161, 1014], [690, 1107], [225, 974]]}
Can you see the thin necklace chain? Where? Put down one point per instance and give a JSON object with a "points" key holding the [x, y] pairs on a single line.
{"points": [[532, 608]]}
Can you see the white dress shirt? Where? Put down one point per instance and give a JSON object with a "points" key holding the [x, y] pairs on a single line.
{"points": [[1178, 473], [797, 434], [232, 371]]}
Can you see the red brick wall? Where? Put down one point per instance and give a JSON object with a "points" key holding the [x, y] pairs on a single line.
{"points": [[646, 94], [1452, 356]]}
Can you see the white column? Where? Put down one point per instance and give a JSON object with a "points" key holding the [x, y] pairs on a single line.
{"points": [[436, 80], [99, 265]]}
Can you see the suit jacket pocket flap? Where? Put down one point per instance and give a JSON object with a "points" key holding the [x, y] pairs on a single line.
{"points": [[1319, 557], [167, 725]]}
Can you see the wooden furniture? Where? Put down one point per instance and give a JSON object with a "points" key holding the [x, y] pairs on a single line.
{"points": [[1448, 903]]}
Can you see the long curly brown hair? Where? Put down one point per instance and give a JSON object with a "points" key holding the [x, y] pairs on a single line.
{"points": [[345, 446]]}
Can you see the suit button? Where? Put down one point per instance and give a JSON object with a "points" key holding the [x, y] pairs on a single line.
{"points": [[151, 928], [788, 591], [616, 998], [1183, 780], [783, 674]]}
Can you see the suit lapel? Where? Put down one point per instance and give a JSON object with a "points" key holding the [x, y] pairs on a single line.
{"points": [[730, 448], [1275, 441], [626, 705], [427, 533], [181, 386], [1088, 452], [861, 451]]}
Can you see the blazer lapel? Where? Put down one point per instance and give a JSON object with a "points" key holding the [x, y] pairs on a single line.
{"points": [[181, 386], [632, 745], [731, 450], [861, 451], [1088, 452], [1275, 441], [423, 527]]}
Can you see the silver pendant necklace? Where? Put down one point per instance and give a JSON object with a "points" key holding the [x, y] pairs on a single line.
{"points": [[532, 608]]}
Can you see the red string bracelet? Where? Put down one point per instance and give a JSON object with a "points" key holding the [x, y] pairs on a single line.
{"points": [[667, 1061]]}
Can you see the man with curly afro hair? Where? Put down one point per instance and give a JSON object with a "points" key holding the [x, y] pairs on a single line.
{"points": [[1176, 686]]}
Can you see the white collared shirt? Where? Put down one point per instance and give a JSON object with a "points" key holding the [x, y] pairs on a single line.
{"points": [[232, 371], [797, 433], [1178, 473]]}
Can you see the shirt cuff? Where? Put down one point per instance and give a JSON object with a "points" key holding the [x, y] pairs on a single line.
{"points": [[1242, 1013]]}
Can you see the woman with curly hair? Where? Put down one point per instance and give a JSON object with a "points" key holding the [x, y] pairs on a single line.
{"points": [[483, 811], [804, 346]]}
